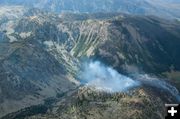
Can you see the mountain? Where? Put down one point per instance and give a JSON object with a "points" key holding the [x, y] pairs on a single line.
{"points": [[29, 72], [149, 43], [162, 8], [42, 54], [87, 103]]}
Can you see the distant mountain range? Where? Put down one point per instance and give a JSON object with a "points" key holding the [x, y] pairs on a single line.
{"points": [[162, 8]]}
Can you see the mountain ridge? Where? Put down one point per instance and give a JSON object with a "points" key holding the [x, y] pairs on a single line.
{"points": [[166, 9], [41, 54]]}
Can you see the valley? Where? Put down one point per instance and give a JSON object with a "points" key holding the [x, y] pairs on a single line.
{"points": [[43, 53]]}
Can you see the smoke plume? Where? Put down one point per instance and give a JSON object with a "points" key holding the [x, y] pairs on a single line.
{"points": [[105, 78], [158, 83]]}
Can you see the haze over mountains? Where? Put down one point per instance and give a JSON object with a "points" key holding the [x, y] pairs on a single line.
{"points": [[44, 44], [162, 8]]}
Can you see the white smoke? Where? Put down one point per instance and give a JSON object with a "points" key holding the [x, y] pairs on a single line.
{"points": [[105, 78], [158, 83]]}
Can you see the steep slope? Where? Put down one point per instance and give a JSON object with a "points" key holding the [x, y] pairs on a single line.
{"points": [[28, 76], [148, 43], [45, 58], [31, 72]]}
